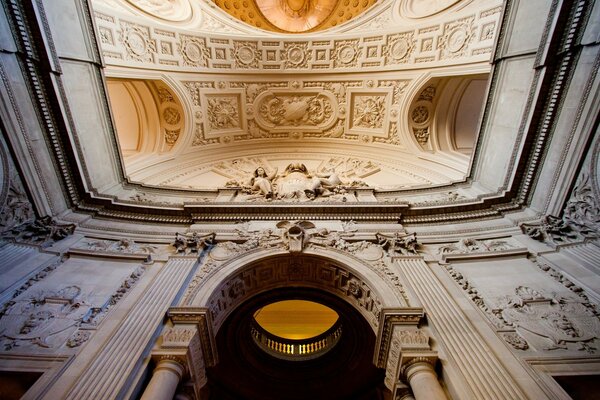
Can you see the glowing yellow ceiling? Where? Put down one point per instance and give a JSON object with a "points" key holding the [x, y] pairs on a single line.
{"points": [[294, 16], [296, 319]]}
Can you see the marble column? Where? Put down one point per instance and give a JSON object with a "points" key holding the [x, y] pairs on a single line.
{"points": [[423, 381], [165, 378]]}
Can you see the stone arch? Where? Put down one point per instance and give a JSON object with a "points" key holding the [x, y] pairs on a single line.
{"points": [[342, 274]]}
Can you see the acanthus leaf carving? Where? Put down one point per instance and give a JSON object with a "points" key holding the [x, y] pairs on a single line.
{"points": [[192, 242]]}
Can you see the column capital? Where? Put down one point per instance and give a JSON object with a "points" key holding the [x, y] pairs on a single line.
{"points": [[173, 363], [411, 364]]}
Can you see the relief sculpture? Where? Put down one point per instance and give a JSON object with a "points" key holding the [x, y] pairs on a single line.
{"points": [[294, 183]]}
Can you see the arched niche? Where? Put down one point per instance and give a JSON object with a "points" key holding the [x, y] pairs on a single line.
{"points": [[336, 272], [148, 116], [445, 113]]}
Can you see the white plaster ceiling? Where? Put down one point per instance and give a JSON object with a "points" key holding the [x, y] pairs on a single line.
{"points": [[380, 95]]}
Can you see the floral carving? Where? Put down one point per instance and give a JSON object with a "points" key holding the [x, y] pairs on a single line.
{"points": [[78, 338], [420, 114], [515, 340], [16, 209], [369, 112], [223, 113], [422, 135], [171, 136]]}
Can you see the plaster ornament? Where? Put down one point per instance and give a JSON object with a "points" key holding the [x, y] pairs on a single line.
{"points": [[136, 40], [296, 55], [16, 208], [515, 340], [170, 10], [78, 338], [399, 244], [223, 113], [470, 245], [194, 51], [369, 112], [422, 135], [555, 230], [127, 246], [399, 48], [560, 322], [294, 110], [192, 243], [456, 38], [45, 319], [246, 54], [171, 136], [43, 231]]}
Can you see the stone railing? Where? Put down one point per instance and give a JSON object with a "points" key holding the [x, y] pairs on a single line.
{"points": [[296, 350]]}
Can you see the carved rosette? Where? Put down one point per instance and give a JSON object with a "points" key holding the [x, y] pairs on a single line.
{"points": [[194, 51], [346, 53], [223, 112], [369, 109], [246, 54], [301, 110], [399, 48], [137, 42], [295, 55], [456, 39]]}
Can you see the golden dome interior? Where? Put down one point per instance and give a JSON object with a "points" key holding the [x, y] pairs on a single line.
{"points": [[294, 16]]}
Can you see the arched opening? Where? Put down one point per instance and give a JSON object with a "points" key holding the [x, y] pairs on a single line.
{"points": [[344, 372]]}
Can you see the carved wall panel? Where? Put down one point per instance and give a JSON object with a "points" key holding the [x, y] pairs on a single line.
{"points": [[64, 303], [528, 307]]}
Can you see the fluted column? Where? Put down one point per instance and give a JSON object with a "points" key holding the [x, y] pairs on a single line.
{"points": [[423, 381], [166, 376]]}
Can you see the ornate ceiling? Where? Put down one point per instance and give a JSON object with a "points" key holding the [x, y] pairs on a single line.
{"points": [[388, 101], [294, 16]]}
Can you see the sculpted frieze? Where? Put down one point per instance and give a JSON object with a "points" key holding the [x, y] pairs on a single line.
{"points": [[296, 182], [127, 246], [470, 245], [295, 110]]}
